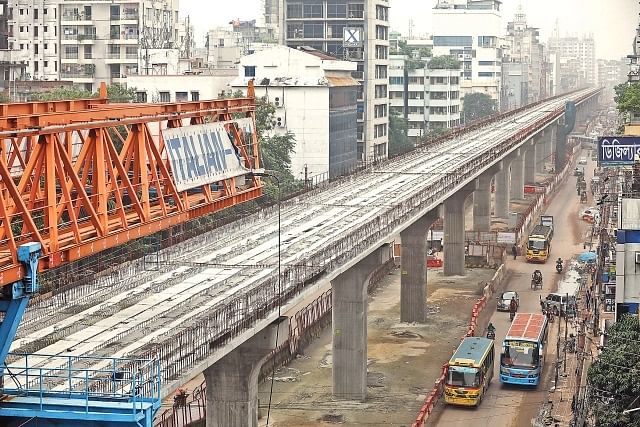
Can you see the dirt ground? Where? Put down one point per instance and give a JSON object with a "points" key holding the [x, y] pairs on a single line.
{"points": [[403, 360]]}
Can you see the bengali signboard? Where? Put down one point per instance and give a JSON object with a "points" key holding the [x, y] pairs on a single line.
{"points": [[203, 154], [618, 150]]}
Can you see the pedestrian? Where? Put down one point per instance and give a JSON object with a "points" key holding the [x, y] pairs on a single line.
{"points": [[514, 251]]}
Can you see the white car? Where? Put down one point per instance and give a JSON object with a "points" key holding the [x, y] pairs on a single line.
{"points": [[582, 161]]}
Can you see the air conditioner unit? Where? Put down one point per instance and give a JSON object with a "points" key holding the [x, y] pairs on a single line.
{"points": [[277, 102], [279, 122]]}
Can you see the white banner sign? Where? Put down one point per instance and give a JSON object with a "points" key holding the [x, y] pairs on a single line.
{"points": [[507, 238], [202, 154]]}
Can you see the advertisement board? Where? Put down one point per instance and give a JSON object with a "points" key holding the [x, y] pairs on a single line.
{"points": [[203, 154], [618, 150]]}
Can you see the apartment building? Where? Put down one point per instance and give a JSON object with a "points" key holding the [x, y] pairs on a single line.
{"points": [[471, 31], [577, 58], [429, 99], [611, 73], [92, 41], [354, 30]]}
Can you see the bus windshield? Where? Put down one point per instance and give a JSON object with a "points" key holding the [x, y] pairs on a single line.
{"points": [[520, 354], [538, 245], [462, 376]]}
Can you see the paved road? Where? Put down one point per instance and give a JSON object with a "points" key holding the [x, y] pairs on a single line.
{"points": [[510, 406]]}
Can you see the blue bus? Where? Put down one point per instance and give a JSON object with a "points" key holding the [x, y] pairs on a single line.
{"points": [[523, 350]]}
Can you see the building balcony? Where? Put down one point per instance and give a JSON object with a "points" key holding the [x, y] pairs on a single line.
{"points": [[75, 18], [68, 39], [77, 74]]}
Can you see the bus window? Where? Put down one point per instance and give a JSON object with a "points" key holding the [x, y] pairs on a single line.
{"points": [[463, 377], [524, 355]]}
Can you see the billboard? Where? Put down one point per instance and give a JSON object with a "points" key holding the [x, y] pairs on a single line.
{"points": [[618, 150], [203, 154]]}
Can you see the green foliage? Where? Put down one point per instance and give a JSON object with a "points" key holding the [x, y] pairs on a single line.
{"points": [[414, 64], [445, 62], [4, 98], [614, 377], [477, 106], [61, 94], [398, 140], [628, 98], [120, 93]]}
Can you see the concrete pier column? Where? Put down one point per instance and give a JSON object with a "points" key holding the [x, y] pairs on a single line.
{"points": [[550, 146], [517, 177], [540, 152], [530, 165], [413, 278], [454, 232], [503, 191], [349, 321], [482, 203], [232, 382]]}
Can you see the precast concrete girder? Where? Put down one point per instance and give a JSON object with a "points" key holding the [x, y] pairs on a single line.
{"points": [[232, 382], [349, 322], [413, 278], [454, 229]]}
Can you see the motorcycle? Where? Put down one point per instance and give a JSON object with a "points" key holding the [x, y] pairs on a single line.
{"points": [[512, 314], [491, 334], [559, 267]]}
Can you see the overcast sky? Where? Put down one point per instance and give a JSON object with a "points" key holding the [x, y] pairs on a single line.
{"points": [[613, 22]]}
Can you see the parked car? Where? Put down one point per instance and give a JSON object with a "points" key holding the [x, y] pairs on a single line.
{"points": [[504, 300], [582, 161]]}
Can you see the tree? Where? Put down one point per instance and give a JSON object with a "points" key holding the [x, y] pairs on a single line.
{"points": [[62, 93], [120, 93], [398, 140], [445, 62], [477, 106], [614, 378], [628, 98]]}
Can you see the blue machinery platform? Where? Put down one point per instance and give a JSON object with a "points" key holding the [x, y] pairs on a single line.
{"points": [[66, 390]]}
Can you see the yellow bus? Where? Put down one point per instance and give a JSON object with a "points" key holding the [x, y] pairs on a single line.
{"points": [[539, 243], [469, 372]]}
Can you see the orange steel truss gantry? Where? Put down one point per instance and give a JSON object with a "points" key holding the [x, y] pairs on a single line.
{"points": [[85, 175]]}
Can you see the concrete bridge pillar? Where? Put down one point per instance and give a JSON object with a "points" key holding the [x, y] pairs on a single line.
{"points": [[503, 190], [540, 151], [482, 203], [550, 145], [413, 278], [454, 232], [530, 164], [232, 382], [517, 176], [349, 321]]}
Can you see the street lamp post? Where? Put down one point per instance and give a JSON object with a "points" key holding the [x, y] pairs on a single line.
{"points": [[273, 175]]}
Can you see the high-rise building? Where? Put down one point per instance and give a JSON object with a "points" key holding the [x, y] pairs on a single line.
{"points": [[471, 31], [577, 57], [429, 99], [524, 53], [354, 30], [610, 74], [92, 41]]}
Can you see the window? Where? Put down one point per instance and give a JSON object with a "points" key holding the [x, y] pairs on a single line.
{"points": [[195, 95], [141, 96], [35, 66], [36, 48], [382, 13], [485, 74], [486, 63], [396, 80], [380, 111], [382, 33], [21, 12], [35, 31], [115, 12], [313, 31], [416, 80], [355, 11], [416, 95], [381, 71], [335, 10], [35, 13], [182, 96], [88, 54], [312, 11], [486, 41], [250, 71], [382, 52], [438, 95], [46, 64], [294, 31], [381, 91], [21, 29], [71, 52], [455, 80], [335, 31], [454, 95], [380, 130], [165, 97], [45, 28], [294, 10], [452, 40]]}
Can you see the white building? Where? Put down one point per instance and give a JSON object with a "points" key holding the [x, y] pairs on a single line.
{"points": [[315, 99], [610, 74], [356, 30], [92, 41], [471, 31], [179, 88], [224, 48], [577, 58], [429, 99]]}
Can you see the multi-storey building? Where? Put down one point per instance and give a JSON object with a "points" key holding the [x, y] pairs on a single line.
{"points": [[224, 48], [91, 41], [355, 30], [610, 74], [577, 58], [471, 30], [429, 99], [524, 53]]}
